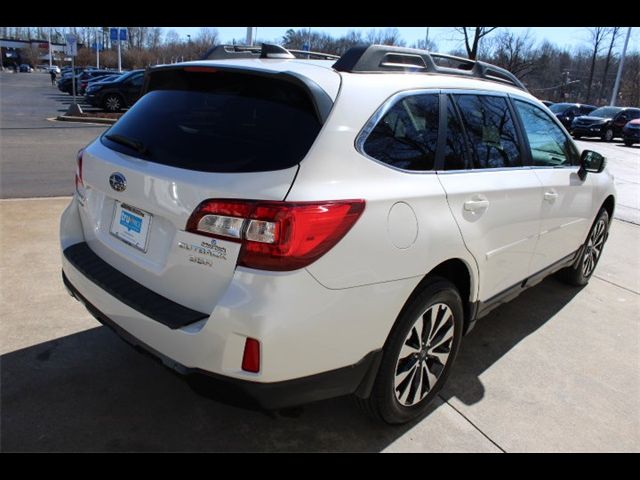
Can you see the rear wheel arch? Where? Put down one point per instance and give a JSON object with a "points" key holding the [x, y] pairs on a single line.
{"points": [[458, 272]]}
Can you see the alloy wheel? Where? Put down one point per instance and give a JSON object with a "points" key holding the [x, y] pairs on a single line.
{"points": [[113, 104], [608, 135], [594, 248], [424, 354]]}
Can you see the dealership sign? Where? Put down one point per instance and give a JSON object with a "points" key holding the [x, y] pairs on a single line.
{"points": [[71, 48]]}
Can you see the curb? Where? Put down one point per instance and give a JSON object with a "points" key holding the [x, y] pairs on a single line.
{"points": [[64, 118]]}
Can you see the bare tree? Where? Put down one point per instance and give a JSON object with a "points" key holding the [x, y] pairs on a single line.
{"points": [[424, 44], [389, 36], [472, 38], [597, 36], [155, 38], [515, 52], [204, 40], [615, 33]]}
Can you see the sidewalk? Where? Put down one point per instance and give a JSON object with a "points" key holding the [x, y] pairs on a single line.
{"points": [[557, 369]]}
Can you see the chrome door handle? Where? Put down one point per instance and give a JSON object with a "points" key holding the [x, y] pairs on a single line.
{"points": [[550, 196], [473, 205]]}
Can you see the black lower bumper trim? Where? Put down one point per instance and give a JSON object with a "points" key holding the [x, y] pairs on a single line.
{"points": [[355, 378], [128, 291]]}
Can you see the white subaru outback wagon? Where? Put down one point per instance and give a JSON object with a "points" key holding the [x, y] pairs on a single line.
{"points": [[300, 229]]}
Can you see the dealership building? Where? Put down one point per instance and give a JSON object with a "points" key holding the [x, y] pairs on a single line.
{"points": [[17, 52]]}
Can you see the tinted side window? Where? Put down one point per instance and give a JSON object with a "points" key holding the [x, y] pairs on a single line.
{"points": [[633, 114], [136, 81], [492, 135], [406, 136], [549, 145]]}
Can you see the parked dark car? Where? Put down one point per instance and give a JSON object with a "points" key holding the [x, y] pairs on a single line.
{"points": [[566, 112], [604, 122], [26, 68], [85, 77], [115, 95], [631, 132]]}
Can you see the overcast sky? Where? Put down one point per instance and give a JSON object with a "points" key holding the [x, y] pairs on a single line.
{"points": [[445, 38]]}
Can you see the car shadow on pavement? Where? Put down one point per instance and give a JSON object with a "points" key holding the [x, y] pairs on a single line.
{"points": [[500, 331], [91, 392]]}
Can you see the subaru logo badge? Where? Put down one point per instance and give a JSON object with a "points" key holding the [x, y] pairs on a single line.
{"points": [[118, 182]]}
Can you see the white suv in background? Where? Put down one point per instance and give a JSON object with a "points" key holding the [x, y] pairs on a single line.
{"points": [[299, 229]]}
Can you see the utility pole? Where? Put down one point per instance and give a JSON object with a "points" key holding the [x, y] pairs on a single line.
{"points": [[614, 95], [249, 36], [426, 40], [119, 53], [50, 62], [97, 51]]}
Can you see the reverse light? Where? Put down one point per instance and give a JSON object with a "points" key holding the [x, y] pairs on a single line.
{"points": [[277, 236]]}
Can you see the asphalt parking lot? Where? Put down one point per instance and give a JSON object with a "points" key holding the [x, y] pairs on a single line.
{"points": [[557, 369]]}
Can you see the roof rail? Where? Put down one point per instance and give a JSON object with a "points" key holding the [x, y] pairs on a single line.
{"points": [[385, 58], [318, 55], [265, 50]]}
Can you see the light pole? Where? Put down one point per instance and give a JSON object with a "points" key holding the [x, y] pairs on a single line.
{"points": [[189, 46]]}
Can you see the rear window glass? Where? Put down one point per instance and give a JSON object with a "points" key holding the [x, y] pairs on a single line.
{"points": [[218, 122]]}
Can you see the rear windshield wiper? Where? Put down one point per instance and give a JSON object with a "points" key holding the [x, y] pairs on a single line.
{"points": [[137, 145]]}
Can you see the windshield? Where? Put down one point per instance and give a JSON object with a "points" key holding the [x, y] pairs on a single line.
{"points": [[605, 112], [560, 107]]}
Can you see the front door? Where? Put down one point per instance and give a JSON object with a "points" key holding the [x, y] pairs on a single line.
{"points": [[566, 204]]}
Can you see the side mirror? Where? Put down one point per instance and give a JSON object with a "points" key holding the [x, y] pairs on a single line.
{"points": [[591, 161]]}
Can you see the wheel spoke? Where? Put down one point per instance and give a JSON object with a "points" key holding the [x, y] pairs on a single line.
{"points": [[441, 357], [401, 376], [431, 377], [416, 385], [405, 387], [435, 322], [443, 334]]}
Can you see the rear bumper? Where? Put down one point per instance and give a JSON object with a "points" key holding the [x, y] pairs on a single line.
{"points": [[357, 378]]}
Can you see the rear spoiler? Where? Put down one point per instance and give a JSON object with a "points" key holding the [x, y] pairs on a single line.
{"points": [[320, 99]]}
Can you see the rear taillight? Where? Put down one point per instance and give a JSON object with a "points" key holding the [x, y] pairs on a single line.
{"points": [[278, 236], [80, 190]]}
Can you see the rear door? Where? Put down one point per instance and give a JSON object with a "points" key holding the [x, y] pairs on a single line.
{"points": [[567, 201], [195, 136], [493, 198]]}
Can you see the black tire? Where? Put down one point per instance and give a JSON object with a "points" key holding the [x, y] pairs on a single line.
{"points": [[578, 274], [113, 103], [383, 403], [577, 137], [607, 136], [628, 143]]}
